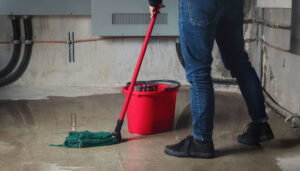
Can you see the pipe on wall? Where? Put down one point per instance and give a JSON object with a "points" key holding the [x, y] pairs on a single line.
{"points": [[26, 56], [259, 45], [290, 118], [16, 48]]}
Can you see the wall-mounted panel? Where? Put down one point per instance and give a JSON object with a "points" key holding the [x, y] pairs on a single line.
{"points": [[131, 18], [296, 27], [274, 3], [45, 7]]}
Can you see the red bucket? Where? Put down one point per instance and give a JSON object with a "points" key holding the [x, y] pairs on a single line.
{"points": [[151, 111]]}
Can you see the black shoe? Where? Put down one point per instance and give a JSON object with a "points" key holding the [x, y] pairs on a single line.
{"points": [[189, 147], [256, 133]]}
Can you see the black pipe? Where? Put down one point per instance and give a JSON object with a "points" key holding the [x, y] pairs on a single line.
{"points": [[15, 21], [179, 54], [26, 56]]}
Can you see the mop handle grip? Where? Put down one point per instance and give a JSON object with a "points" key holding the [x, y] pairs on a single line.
{"points": [[138, 66]]}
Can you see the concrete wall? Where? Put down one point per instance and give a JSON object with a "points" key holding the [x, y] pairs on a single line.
{"points": [[5, 34], [278, 37], [282, 78], [102, 63], [281, 69]]}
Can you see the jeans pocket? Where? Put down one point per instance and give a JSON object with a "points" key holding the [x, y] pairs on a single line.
{"points": [[202, 12]]}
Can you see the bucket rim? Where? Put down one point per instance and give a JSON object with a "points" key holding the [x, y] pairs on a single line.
{"points": [[176, 88], [125, 90]]}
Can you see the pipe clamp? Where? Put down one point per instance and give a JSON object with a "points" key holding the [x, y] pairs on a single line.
{"points": [[28, 42], [15, 42]]}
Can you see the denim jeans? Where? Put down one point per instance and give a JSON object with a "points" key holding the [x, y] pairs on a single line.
{"points": [[200, 23]]}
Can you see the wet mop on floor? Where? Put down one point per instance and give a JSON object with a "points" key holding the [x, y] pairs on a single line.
{"points": [[87, 139]]}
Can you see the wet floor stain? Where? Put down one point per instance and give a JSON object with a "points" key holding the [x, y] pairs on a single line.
{"points": [[29, 126]]}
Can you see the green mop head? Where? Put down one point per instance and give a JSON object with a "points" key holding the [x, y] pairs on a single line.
{"points": [[89, 139]]}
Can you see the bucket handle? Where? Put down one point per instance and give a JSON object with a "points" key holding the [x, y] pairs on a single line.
{"points": [[169, 81], [158, 81], [141, 82], [151, 84]]}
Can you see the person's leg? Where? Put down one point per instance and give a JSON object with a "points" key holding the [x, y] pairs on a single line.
{"points": [[230, 40], [197, 27]]}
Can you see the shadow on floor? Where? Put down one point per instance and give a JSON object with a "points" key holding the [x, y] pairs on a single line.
{"points": [[132, 137], [185, 119], [283, 143], [233, 150]]}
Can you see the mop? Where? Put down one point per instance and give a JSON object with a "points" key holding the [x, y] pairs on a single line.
{"points": [[92, 139]]}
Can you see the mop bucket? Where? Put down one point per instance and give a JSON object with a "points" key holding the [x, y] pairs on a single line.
{"points": [[152, 106]]}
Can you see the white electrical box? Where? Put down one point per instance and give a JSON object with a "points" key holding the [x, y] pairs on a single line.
{"points": [[131, 18]]}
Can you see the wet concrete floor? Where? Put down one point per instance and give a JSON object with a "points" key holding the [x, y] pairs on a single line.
{"points": [[27, 127]]}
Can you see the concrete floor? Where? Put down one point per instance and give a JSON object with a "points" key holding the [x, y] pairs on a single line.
{"points": [[29, 126]]}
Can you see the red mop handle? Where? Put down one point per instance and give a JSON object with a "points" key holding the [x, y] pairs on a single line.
{"points": [[138, 66]]}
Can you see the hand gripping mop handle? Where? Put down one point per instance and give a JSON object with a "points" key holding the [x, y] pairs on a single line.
{"points": [[136, 72]]}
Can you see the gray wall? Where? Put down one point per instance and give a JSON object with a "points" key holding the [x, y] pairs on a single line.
{"points": [[282, 78], [281, 69], [102, 63], [5, 34]]}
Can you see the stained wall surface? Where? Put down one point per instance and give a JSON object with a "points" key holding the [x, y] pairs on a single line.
{"points": [[107, 63], [280, 66]]}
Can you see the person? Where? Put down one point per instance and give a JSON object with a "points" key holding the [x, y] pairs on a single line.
{"points": [[200, 23]]}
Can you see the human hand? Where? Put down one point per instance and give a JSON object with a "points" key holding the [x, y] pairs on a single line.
{"points": [[155, 9]]}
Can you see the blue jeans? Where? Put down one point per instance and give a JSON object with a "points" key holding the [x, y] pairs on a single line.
{"points": [[200, 23]]}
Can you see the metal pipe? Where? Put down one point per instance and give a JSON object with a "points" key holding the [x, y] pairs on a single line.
{"points": [[259, 46], [16, 48], [26, 56], [290, 118], [71, 47]]}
